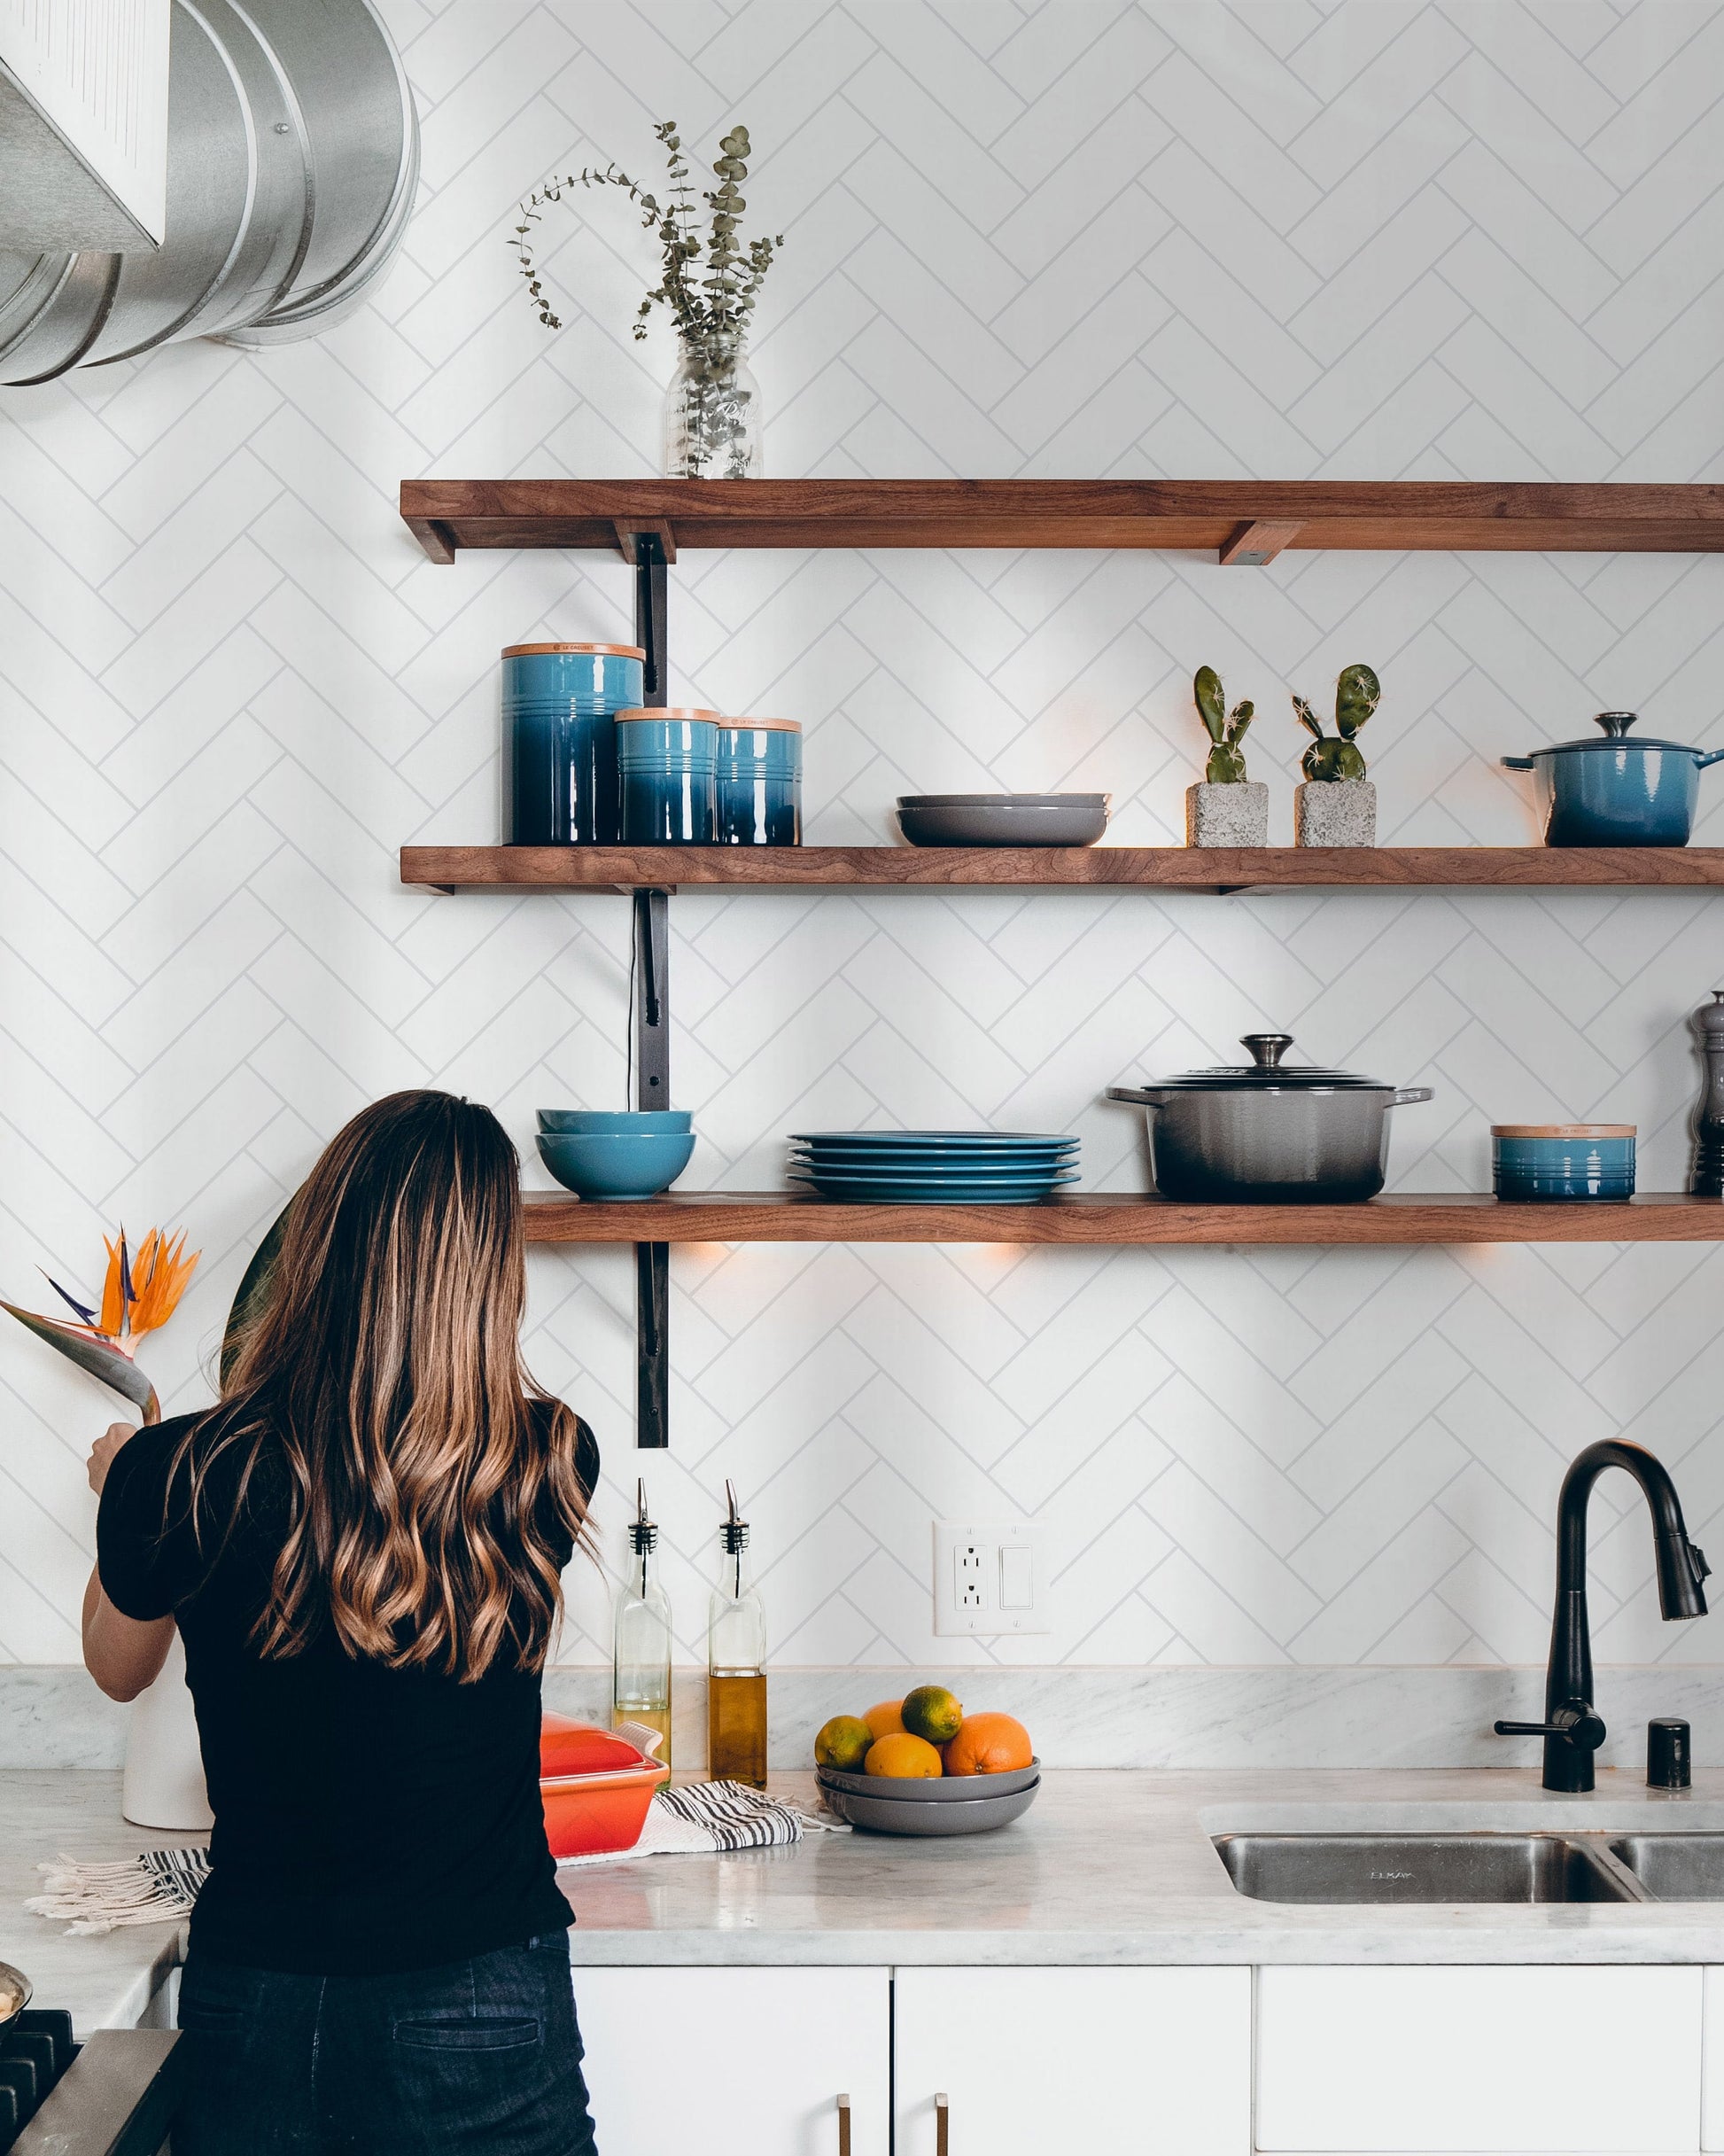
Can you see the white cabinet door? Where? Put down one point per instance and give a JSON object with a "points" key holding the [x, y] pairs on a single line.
{"points": [[735, 2062], [1712, 2060], [1120, 2062], [1460, 2060]]}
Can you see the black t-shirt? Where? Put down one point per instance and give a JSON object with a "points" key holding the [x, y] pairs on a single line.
{"points": [[366, 1819]]}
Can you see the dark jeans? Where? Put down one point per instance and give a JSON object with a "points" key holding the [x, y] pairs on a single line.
{"points": [[478, 2057]]}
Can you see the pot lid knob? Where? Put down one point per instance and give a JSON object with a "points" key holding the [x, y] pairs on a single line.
{"points": [[1710, 1016], [1616, 724], [1266, 1049]]}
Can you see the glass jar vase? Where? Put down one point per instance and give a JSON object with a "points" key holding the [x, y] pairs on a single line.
{"points": [[712, 415]]}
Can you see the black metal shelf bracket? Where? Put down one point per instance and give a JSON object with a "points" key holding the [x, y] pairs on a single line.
{"points": [[650, 1018], [652, 1090]]}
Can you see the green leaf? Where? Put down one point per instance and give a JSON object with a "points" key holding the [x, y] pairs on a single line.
{"points": [[1308, 719], [98, 1357]]}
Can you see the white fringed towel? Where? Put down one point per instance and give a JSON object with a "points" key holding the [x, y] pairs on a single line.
{"points": [[160, 1886], [156, 1887]]}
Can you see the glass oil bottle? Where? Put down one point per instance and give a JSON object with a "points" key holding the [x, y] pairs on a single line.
{"points": [[640, 1636], [736, 1665]]}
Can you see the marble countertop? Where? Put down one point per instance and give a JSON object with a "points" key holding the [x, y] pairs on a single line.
{"points": [[1118, 1867], [1106, 1867]]}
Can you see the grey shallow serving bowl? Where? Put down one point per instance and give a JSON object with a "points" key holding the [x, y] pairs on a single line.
{"points": [[949, 1788], [897, 1814], [1003, 819]]}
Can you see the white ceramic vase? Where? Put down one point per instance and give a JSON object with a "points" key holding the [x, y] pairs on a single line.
{"points": [[164, 1784]]}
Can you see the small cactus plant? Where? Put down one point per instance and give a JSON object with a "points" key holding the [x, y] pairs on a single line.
{"points": [[1226, 764], [1356, 692]]}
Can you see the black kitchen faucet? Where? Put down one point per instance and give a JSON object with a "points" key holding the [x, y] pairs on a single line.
{"points": [[1571, 1729]]}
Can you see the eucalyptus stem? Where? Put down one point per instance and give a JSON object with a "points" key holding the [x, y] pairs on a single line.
{"points": [[707, 284]]}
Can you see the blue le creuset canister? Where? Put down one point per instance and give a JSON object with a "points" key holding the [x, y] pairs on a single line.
{"points": [[560, 704], [667, 763], [758, 791], [1563, 1160], [1607, 790]]}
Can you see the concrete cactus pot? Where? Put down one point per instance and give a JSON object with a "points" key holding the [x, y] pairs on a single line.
{"points": [[1233, 815], [1335, 813]]}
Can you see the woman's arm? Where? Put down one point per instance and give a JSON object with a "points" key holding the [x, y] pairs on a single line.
{"points": [[124, 1654], [121, 1653]]}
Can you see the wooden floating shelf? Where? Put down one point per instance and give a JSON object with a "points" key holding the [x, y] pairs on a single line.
{"points": [[1241, 522], [609, 869], [1105, 1218]]}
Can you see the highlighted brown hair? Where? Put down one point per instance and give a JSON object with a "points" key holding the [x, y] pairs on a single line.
{"points": [[430, 1482]]}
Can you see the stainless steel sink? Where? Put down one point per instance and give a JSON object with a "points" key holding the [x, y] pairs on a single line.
{"points": [[1446, 1868], [1675, 1867]]}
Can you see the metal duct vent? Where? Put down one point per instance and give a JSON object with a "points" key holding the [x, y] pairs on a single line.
{"points": [[293, 158]]}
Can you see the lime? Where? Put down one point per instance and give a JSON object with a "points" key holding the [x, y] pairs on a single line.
{"points": [[931, 1712], [843, 1744]]}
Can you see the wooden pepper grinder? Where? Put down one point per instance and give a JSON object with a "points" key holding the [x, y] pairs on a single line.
{"points": [[1708, 1179]]}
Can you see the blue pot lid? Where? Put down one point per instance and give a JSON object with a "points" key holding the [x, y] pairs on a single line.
{"points": [[1615, 736]]}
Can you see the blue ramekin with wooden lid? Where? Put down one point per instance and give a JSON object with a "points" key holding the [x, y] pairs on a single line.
{"points": [[1563, 1160], [666, 761], [758, 784], [560, 704]]}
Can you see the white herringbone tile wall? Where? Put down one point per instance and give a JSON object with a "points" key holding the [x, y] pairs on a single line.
{"points": [[1479, 239]]}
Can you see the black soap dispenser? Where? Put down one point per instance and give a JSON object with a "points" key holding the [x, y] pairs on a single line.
{"points": [[1669, 1754]]}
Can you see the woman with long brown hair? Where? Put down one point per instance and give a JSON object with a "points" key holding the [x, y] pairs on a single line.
{"points": [[362, 1546]]}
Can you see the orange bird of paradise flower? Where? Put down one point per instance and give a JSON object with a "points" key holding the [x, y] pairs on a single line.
{"points": [[139, 1295]]}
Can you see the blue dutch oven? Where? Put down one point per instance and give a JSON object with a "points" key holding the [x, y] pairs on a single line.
{"points": [[1610, 791]]}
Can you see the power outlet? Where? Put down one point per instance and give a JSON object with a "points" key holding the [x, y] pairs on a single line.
{"points": [[990, 1579]]}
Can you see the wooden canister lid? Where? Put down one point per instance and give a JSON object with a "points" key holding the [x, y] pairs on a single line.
{"points": [[767, 726], [602, 651], [672, 711], [1563, 1130]]}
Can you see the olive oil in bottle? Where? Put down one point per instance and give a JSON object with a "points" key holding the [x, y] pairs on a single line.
{"points": [[736, 1665], [640, 1636]]}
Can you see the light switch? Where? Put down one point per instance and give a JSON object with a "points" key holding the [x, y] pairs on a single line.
{"points": [[1016, 1579]]}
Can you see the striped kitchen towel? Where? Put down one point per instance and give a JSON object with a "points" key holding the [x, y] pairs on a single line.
{"points": [[153, 1887], [702, 1816]]}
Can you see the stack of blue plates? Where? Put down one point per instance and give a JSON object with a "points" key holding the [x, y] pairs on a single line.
{"points": [[934, 1167]]}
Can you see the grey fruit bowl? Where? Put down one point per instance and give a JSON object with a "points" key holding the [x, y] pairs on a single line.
{"points": [[898, 1815], [1003, 819], [947, 1789]]}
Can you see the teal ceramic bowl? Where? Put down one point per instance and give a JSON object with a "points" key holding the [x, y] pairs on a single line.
{"points": [[1560, 1160], [616, 1164], [651, 1122]]}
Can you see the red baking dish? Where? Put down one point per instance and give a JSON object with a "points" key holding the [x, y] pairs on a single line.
{"points": [[595, 1787]]}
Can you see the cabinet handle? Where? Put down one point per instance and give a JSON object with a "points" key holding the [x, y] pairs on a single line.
{"points": [[942, 2124], [843, 2125]]}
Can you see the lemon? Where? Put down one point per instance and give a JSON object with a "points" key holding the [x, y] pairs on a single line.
{"points": [[930, 1711], [903, 1757], [843, 1744]]}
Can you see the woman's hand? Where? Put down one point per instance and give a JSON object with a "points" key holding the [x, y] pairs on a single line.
{"points": [[102, 1452]]}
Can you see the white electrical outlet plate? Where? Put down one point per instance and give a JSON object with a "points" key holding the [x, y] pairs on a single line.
{"points": [[990, 1578]]}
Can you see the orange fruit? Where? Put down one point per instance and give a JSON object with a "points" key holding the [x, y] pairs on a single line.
{"points": [[886, 1719], [903, 1757], [987, 1744], [930, 1711]]}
